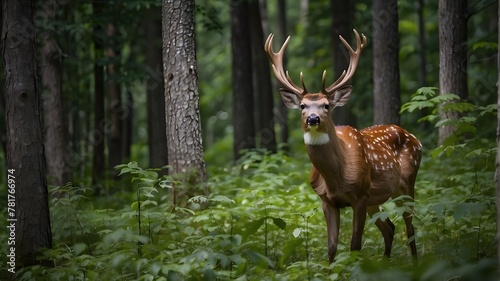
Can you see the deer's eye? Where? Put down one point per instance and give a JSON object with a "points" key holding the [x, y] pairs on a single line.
{"points": [[327, 106], [302, 106]]}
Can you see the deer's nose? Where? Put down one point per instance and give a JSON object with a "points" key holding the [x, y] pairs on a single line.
{"points": [[312, 119]]}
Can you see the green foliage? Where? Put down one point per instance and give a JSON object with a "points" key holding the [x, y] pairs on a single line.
{"points": [[263, 221], [467, 124]]}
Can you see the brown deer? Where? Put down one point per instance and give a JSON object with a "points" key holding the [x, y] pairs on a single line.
{"points": [[357, 168]]}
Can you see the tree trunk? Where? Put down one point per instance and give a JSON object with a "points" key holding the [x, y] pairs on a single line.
{"points": [[96, 137], [342, 17], [3, 130], [497, 172], [452, 56], [28, 199], [185, 149], [422, 64], [386, 84], [56, 140], [243, 121], [115, 137], [282, 111], [128, 126], [157, 136], [263, 97]]}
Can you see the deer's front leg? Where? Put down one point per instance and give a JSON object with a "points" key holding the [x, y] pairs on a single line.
{"points": [[332, 217], [358, 224]]}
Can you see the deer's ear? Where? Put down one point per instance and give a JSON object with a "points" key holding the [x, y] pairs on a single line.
{"points": [[340, 96], [291, 100]]}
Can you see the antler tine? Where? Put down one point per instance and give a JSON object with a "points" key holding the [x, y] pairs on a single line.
{"points": [[277, 65], [353, 63]]}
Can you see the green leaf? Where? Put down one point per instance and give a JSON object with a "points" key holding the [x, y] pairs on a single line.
{"points": [[254, 226], [444, 97], [236, 239], [189, 230], [198, 199], [222, 199], [134, 205], [79, 248], [427, 91], [485, 45], [279, 223], [149, 202]]}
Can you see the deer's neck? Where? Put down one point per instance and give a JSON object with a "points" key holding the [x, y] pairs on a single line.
{"points": [[326, 154]]}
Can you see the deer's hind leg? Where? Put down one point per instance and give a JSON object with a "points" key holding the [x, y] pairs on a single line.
{"points": [[386, 227]]}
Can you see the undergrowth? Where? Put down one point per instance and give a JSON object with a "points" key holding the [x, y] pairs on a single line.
{"points": [[262, 221]]}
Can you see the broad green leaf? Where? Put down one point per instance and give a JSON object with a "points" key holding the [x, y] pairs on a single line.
{"points": [[236, 239], [279, 223], [254, 226], [189, 230]]}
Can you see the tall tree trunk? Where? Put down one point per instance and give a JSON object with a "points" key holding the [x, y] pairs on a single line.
{"points": [[342, 17], [243, 121], [263, 94], [28, 199], [422, 64], [282, 111], [115, 137], [304, 9], [3, 130], [452, 56], [386, 84], [497, 172], [128, 120], [58, 168], [185, 149], [97, 136], [157, 135]]}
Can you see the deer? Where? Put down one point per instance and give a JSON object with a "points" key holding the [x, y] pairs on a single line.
{"points": [[354, 168]]}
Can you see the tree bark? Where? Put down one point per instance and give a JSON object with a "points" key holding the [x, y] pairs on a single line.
{"points": [[282, 112], [3, 130], [386, 84], [243, 121], [422, 63], [115, 137], [342, 17], [128, 126], [452, 57], [157, 136], [56, 140], [184, 139], [97, 136], [497, 171], [25, 154], [263, 96]]}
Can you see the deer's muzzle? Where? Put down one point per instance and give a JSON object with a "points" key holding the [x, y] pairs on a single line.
{"points": [[312, 119]]}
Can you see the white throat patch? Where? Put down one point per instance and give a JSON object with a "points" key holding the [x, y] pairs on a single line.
{"points": [[314, 137]]}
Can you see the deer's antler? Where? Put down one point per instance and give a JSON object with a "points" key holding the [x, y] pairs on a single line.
{"points": [[353, 64], [279, 72]]}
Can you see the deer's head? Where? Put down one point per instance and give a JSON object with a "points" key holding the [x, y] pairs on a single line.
{"points": [[315, 107]]}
